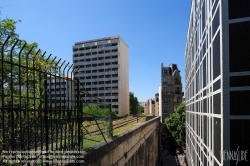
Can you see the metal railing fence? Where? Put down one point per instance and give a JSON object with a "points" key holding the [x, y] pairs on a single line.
{"points": [[41, 104]]}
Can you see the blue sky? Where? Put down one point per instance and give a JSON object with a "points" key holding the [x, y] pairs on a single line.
{"points": [[155, 31]]}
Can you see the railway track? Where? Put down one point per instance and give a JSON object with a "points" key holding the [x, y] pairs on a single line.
{"points": [[115, 126]]}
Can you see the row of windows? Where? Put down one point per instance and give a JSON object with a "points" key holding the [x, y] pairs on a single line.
{"points": [[203, 71], [95, 53], [51, 100], [97, 71], [95, 59], [99, 77], [204, 126], [95, 47], [103, 100], [102, 88], [200, 39], [175, 89], [57, 83], [167, 81], [239, 104], [57, 95], [206, 105], [96, 77], [57, 89], [205, 129], [99, 58], [99, 64], [101, 94], [203, 67]]}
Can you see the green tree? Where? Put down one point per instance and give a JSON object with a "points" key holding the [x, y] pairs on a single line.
{"points": [[176, 124], [23, 67], [133, 103], [29, 77], [141, 109]]}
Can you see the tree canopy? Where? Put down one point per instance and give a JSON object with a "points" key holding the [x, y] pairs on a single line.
{"points": [[176, 124], [141, 109], [23, 64], [133, 103]]}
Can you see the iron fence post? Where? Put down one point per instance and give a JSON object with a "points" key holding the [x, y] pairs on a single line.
{"points": [[78, 120], [110, 122], [46, 118]]}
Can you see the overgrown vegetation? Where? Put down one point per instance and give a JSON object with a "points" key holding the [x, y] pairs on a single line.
{"points": [[28, 78], [95, 110], [141, 109], [176, 124], [23, 71]]}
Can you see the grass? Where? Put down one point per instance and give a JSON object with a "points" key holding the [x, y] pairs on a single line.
{"points": [[89, 143], [95, 139], [127, 127], [99, 138], [122, 120]]}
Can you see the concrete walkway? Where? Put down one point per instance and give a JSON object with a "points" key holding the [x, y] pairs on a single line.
{"points": [[170, 160]]}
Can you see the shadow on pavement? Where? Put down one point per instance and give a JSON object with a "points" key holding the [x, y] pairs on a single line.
{"points": [[169, 150]]}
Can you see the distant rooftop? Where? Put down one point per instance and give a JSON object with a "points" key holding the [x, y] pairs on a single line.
{"points": [[100, 39]]}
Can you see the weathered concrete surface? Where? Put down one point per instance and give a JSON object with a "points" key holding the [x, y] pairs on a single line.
{"points": [[136, 147]]}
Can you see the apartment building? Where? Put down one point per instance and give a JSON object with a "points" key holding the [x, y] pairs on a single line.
{"points": [[60, 92], [156, 104], [149, 107], [170, 90], [103, 69], [152, 106], [218, 83]]}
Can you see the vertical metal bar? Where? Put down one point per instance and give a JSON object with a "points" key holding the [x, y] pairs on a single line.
{"points": [[41, 107], [81, 125], [76, 106], [78, 115], [20, 96], [12, 126], [21, 117], [66, 122], [46, 116], [56, 117], [60, 110], [28, 117], [27, 95], [70, 138], [11, 104], [52, 111], [46, 111], [110, 122], [34, 98], [25, 114], [2, 86]]}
